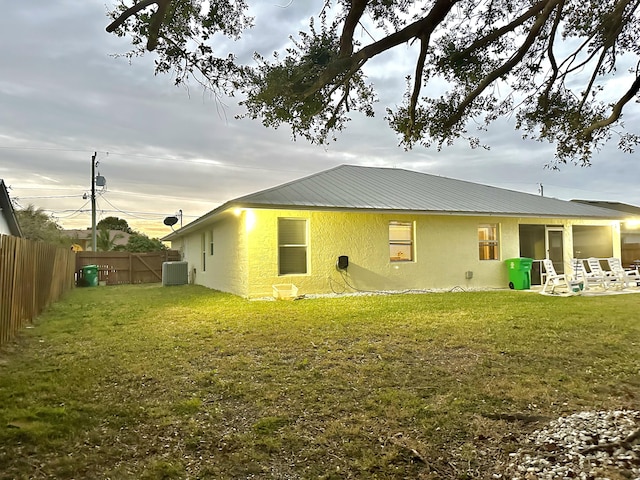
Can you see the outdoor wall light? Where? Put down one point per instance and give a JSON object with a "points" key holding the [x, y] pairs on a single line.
{"points": [[632, 224], [250, 220]]}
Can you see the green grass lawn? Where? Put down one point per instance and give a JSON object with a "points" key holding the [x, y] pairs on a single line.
{"points": [[151, 382]]}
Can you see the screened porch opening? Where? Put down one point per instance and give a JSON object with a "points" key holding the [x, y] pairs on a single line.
{"points": [[532, 245]]}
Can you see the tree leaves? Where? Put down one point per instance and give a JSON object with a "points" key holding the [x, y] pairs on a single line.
{"points": [[549, 63], [37, 225]]}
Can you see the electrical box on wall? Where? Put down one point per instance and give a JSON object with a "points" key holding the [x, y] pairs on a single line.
{"points": [[468, 274], [342, 263]]}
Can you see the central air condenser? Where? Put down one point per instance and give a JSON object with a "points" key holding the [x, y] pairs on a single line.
{"points": [[175, 273]]}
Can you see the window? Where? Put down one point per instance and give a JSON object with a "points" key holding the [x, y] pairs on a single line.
{"points": [[211, 242], [488, 242], [203, 249], [292, 246], [401, 241]]}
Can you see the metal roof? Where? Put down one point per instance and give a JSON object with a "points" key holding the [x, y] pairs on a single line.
{"points": [[373, 188], [350, 187], [621, 207]]}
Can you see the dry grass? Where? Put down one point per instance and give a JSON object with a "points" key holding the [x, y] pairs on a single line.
{"points": [[184, 382]]}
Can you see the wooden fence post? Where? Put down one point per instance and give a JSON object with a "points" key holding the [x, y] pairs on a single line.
{"points": [[30, 280]]}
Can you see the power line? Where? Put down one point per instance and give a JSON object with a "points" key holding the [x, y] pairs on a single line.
{"points": [[48, 196], [116, 191], [213, 163], [74, 213], [151, 215], [44, 149], [40, 187], [135, 214]]}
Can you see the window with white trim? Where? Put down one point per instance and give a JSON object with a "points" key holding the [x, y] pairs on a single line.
{"points": [[488, 245], [400, 241], [203, 249], [292, 246]]}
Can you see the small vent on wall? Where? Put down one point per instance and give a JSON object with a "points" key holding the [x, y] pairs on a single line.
{"points": [[175, 273]]}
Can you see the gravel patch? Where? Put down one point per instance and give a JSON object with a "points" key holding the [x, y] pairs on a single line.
{"points": [[585, 445]]}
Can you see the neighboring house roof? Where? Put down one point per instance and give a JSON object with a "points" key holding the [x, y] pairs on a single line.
{"points": [[350, 187], [8, 214], [618, 206], [123, 237]]}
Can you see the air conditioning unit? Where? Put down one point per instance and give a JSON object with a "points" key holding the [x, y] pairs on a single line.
{"points": [[175, 273]]}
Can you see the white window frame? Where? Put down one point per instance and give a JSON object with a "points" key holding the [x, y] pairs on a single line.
{"points": [[203, 249], [282, 247], [488, 244], [402, 242]]}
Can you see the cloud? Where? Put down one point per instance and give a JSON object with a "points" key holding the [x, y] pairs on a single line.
{"points": [[63, 96]]}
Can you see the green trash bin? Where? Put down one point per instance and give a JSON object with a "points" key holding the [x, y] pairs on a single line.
{"points": [[519, 273], [90, 275]]}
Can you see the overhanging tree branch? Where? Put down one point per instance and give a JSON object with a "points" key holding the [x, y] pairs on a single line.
{"points": [[314, 83], [617, 109], [156, 19], [133, 10], [505, 67], [615, 19], [422, 27], [550, 53], [499, 32], [417, 84], [350, 24]]}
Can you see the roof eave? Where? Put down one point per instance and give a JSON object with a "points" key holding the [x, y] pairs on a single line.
{"points": [[5, 205], [216, 212], [470, 213]]}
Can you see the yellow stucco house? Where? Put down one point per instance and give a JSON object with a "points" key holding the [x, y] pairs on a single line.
{"points": [[354, 228]]}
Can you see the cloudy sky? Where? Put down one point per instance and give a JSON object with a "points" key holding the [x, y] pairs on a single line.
{"points": [[64, 96]]}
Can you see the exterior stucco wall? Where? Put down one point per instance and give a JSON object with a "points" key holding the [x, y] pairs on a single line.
{"points": [[178, 244], [191, 254], [226, 269], [245, 259], [446, 247]]}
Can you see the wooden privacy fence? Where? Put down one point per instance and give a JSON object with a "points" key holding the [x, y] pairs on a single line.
{"points": [[116, 268], [32, 276]]}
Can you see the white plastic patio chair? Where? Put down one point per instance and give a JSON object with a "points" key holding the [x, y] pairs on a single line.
{"points": [[553, 279], [630, 277], [580, 273], [611, 278]]}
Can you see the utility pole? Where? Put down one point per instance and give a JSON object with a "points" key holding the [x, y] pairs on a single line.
{"points": [[94, 245]]}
